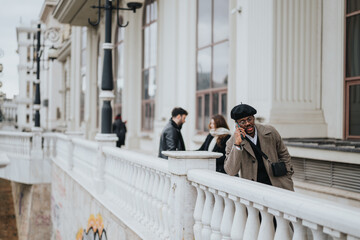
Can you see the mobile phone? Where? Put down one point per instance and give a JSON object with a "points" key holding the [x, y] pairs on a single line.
{"points": [[242, 137]]}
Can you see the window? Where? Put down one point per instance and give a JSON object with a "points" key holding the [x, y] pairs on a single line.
{"points": [[27, 89], [212, 60], [83, 73], [149, 65], [98, 83], [352, 71], [119, 69]]}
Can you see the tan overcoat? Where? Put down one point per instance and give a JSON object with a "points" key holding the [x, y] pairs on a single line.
{"points": [[244, 161]]}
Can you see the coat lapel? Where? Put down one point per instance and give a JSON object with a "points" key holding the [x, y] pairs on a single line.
{"points": [[248, 148], [263, 135]]}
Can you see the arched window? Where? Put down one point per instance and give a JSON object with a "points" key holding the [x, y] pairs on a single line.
{"points": [[212, 60], [119, 69], [149, 65]]}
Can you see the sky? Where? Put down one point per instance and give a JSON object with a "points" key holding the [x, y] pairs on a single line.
{"points": [[11, 14]]}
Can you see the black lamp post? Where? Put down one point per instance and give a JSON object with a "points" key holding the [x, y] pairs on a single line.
{"points": [[37, 82], [107, 76]]}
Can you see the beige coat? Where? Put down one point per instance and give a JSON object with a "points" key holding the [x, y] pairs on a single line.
{"points": [[244, 161]]}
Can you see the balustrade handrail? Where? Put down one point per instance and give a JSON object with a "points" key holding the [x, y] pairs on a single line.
{"points": [[344, 219], [85, 143], [16, 134], [138, 158]]}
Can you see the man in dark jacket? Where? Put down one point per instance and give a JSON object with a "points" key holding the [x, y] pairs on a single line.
{"points": [[171, 138], [119, 129]]}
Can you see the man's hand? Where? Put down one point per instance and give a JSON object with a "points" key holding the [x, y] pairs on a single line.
{"points": [[239, 131]]}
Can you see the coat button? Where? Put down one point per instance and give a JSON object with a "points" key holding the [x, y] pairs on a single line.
{"points": [[253, 161]]}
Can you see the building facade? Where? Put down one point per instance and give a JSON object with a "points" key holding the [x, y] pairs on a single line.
{"points": [[295, 62], [289, 60]]}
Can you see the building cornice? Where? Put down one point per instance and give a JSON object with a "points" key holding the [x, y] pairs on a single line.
{"points": [[47, 9], [76, 12], [64, 51]]}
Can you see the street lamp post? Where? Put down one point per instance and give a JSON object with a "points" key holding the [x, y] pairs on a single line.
{"points": [[107, 85], [37, 81]]}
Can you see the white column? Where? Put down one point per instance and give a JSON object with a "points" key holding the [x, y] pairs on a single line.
{"points": [[296, 109]]}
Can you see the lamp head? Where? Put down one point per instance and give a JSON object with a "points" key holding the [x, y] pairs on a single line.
{"points": [[134, 5]]}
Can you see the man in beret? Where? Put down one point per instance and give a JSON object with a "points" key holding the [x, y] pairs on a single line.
{"points": [[245, 149]]}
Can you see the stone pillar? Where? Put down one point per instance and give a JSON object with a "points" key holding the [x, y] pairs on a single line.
{"points": [[103, 140], [71, 135], [183, 195], [36, 148]]}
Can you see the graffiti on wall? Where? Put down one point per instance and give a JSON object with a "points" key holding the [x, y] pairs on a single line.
{"points": [[95, 229]]}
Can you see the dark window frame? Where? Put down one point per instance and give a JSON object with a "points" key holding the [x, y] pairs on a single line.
{"points": [[147, 119], [211, 90], [348, 81]]}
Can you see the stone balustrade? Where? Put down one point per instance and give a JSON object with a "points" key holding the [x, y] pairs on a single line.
{"points": [[25, 154], [179, 198], [16, 143], [234, 208]]}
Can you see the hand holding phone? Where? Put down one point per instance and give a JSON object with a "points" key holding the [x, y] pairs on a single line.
{"points": [[241, 132]]}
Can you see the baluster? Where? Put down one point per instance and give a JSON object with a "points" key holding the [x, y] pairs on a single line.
{"points": [[154, 202], [165, 208], [127, 180], [159, 204], [145, 216], [282, 226], [228, 216], [299, 230], [199, 205], [133, 189], [238, 226], [252, 224], [316, 230], [267, 223], [123, 190], [138, 182], [139, 200], [217, 215], [149, 197], [207, 213]]}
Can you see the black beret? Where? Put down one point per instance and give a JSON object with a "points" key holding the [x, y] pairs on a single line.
{"points": [[241, 111]]}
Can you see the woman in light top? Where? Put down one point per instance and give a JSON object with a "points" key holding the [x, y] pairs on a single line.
{"points": [[216, 139]]}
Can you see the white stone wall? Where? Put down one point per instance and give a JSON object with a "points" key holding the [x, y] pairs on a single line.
{"points": [[72, 202]]}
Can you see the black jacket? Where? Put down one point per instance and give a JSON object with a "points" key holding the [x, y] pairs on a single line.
{"points": [[119, 128], [171, 139], [217, 148]]}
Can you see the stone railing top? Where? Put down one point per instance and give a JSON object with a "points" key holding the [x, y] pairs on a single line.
{"points": [[17, 134], [293, 204], [155, 163], [192, 154], [85, 143]]}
